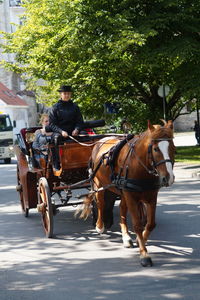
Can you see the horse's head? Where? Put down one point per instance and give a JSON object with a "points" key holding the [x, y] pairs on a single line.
{"points": [[161, 151]]}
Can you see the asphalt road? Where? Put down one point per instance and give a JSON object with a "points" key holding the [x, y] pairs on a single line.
{"points": [[80, 264]]}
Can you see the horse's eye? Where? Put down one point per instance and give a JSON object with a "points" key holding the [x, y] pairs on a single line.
{"points": [[156, 149]]}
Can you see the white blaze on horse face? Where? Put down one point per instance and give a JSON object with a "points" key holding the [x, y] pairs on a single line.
{"points": [[164, 148]]}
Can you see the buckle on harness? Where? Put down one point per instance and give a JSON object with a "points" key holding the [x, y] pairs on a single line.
{"points": [[119, 182]]}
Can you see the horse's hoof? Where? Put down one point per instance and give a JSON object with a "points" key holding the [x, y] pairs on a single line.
{"points": [[137, 243], [128, 243], [100, 230], [146, 261]]}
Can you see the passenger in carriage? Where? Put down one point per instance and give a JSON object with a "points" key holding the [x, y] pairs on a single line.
{"points": [[65, 116], [41, 139]]}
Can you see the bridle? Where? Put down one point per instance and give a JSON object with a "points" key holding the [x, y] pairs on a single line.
{"points": [[162, 161], [154, 164]]}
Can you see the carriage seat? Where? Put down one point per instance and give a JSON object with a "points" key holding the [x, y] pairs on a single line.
{"points": [[27, 135]]}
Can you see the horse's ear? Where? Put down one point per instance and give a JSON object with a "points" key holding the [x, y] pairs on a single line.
{"points": [[170, 124], [150, 127], [164, 122]]}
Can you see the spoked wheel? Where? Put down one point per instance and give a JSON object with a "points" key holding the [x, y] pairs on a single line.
{"points": [[19, 189], [45, 206]]}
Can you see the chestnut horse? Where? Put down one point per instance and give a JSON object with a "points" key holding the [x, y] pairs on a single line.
{"points": [[141, 168]]}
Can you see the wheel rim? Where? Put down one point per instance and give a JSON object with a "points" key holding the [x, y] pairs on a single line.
{"points": [[44, 199], [20, 191]]}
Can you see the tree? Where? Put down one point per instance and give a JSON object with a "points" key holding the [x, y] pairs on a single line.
{"points": [[112, 51]]}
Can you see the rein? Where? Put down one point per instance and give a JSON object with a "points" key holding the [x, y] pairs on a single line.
{"points": [[82, 144], [149, 171]]}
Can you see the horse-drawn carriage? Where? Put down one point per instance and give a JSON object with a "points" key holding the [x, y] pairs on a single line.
{"points": [[38, 184], [132, 169]]}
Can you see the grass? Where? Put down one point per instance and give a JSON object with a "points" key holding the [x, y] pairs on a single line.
{"points": [[188, 154]]}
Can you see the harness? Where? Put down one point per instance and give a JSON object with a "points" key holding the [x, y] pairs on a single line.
{"points": [[131, 184]]}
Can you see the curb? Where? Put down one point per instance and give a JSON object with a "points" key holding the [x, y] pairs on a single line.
{"points": [[186, 170], [196, 174]]}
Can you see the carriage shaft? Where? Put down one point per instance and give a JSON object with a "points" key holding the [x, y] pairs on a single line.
{"points": [[68, 204], [78, 185]]}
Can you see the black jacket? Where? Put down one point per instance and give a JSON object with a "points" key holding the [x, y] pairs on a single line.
{"points": [[65, 115]]}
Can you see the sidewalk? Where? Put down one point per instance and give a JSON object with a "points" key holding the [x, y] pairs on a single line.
{"points": [[182, 170], [184, 139]]}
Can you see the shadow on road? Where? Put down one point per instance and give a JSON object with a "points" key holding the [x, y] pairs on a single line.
{"points": [[80, 264]]}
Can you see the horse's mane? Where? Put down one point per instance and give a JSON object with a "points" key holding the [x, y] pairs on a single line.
{"points": [[158, 132], [155, 133], [161, 132]]}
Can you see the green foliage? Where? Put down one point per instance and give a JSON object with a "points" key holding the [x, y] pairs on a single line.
{"points": [[111, 51]]}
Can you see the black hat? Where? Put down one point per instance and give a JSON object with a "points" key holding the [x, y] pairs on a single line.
{"points": [[65, 88]]}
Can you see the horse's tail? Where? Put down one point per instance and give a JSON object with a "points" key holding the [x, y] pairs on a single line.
{"points": [[86, 208]]}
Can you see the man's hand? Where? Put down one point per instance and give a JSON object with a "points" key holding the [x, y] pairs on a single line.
{"points": [[75, 132], [64, 133]]}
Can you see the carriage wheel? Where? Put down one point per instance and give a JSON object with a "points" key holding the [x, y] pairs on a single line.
{"points": [[45, 206], [19, 189]]}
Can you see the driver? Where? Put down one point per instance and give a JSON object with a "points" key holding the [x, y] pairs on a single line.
{"points": [[65, 116]]}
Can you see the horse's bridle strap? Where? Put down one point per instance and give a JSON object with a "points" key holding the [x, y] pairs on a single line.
{"points": [[154, 163], [163, 162]]}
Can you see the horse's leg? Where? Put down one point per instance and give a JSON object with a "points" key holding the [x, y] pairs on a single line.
{"points": [[100, 206], [127, 241], [151, 211], [133, 207]]}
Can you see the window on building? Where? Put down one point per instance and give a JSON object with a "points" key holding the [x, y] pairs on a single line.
{"points": [[15, 3]]}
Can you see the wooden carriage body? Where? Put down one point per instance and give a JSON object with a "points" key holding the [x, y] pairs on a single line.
{"points": [[74, 158], [36, 185]]}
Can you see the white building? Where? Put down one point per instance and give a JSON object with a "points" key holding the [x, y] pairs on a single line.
{"points": [[10, 12]]}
